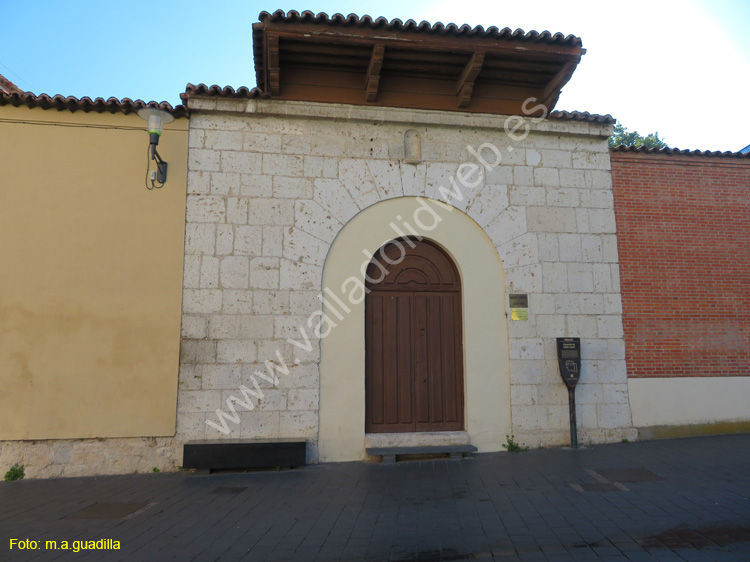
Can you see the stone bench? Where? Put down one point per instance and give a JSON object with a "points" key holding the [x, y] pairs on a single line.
{"points": [[389, 454], [242, 454]]}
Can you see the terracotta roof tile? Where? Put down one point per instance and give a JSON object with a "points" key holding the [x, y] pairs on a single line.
{"points": [[222, 92], [352, 20], [678, 152], [86, 104], [582, 116]]}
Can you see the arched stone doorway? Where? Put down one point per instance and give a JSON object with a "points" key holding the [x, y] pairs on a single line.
{"points": [[414, 352], [485, 337]]}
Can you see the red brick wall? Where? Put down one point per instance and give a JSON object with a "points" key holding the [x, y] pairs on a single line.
{"points": [[683, 225]]}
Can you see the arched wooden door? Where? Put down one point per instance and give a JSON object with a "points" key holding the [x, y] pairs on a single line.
{"points": [[414, 352]]}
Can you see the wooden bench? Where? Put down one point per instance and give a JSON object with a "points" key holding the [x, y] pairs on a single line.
{"points": [[241, 454], [389, 454]]}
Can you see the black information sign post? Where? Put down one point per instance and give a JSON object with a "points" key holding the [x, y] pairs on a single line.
{"points": [[569, 358]]}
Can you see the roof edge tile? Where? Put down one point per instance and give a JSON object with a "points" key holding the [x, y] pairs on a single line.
{"points": [[678, 152], [439, 28], [85, 104]]}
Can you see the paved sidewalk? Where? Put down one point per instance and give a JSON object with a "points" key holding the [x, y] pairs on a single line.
{"points": [[688, 500]]}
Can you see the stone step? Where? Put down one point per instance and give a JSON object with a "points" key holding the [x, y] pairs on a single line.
{"points": [[389, 454]]}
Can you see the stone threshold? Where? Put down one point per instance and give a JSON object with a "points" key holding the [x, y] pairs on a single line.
{"points": [[416, 439]]}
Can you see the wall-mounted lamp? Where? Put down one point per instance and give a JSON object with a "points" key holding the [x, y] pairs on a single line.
{"points": [[156, 118]]}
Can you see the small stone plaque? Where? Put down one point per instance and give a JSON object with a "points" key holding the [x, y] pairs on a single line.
{"points": [[519, 306], [569, 359]]}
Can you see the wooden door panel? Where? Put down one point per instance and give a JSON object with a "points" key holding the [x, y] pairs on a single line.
{"points": [[414, 357]]}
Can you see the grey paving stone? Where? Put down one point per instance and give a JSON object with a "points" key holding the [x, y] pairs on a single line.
{"points": [[491, 507]]}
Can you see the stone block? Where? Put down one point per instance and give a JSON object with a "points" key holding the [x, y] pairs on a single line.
{"points": [[610, 326], [602, 274], [548, 247], [225, 184], [545, 219], [598, 179], [303, 399], [256, 327], [254, 185], [523, 176], [572, 178], [248, 241], [223, 326], [264, 273], [237, 302], [274, 212], [198, 400], [241, 162], [508, 225], [531, 348], [260, 142], [300, 276], [299, 424], [198, 182], [523, 394], [223, 140], [224, 239], [610, 416], [270, 302], [321, 167], [527, 195], [570, 247], [335, 199], [237, 210], [567, 303], [556, 159], [554, 277], [488, 204], [524, 279], [301, 246], [235, 351], [201, 301], [550, 325], [217, 377], [580, 326], [202, 160], [205, 208], [201, 352], [592, 304], [592, 248], [191, 276], [292, 188], [283, 165], [386, 176], [194, 326], [580, 277], [209, 273], [273, 241], [546, 177], [259, 425], [597, 198], [542, 303], [313, 219], [234, 272], [602, 221], [591, 160]]}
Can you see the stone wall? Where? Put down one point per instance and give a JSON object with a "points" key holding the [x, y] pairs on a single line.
{"points": [[270, 185]]}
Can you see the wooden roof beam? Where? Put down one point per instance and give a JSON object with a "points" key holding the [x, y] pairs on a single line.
{"points": [[274, 68], [552, 90], [373, 73], [465, 84]]}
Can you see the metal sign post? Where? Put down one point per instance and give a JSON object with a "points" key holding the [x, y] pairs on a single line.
{"points": [[569, 359]]}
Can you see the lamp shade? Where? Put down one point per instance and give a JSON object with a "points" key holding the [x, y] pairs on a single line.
{"points": [[156, 118]]}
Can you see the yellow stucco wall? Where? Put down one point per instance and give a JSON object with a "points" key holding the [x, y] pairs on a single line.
{"points": [[90, 276]]}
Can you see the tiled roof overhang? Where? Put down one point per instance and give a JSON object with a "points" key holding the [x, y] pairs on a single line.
{"points": [[85, 104], [256, 93], [348, 59], [677, 152]]}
